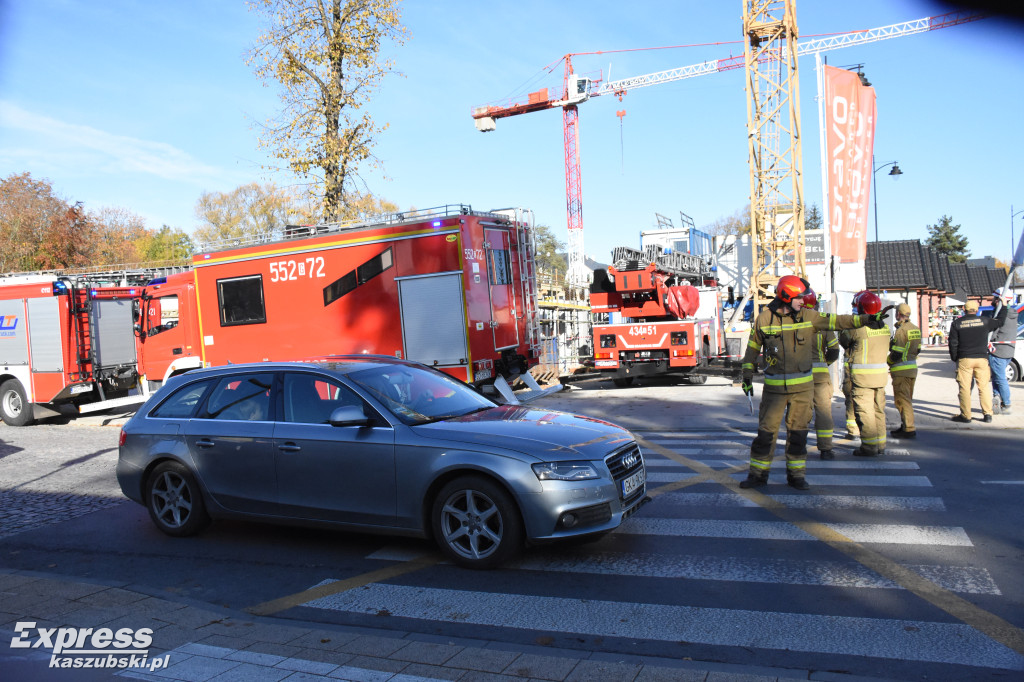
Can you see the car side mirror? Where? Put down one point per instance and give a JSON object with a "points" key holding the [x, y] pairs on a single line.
{"points": [[349, 415]]}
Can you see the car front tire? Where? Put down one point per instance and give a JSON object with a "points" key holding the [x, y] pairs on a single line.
{"points": [[15, 409], [174, 500], [476, 523]]}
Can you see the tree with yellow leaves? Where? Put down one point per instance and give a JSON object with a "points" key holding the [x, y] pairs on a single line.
{"points": [[326, 55]]}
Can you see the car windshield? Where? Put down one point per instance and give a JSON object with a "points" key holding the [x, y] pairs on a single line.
{"points": [[420, 396]]}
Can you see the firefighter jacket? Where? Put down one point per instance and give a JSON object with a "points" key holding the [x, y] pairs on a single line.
{"points": [[903, 350], [826, 351], [1005, 338], [788, 343], [868, 356], [968, 335]]}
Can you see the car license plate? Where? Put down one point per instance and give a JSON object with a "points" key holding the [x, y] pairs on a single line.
{"points": [[633, 483]]}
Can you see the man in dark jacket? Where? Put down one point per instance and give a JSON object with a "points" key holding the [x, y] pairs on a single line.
{"points": [[968, 348], [1003, 342]]}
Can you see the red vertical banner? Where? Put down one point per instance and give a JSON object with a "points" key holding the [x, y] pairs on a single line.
{"points": [[849, 140]]}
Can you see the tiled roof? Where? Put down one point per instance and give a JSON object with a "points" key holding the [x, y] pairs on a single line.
{"points": [[895, 265]]}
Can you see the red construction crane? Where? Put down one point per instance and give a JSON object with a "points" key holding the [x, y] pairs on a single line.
{"points": [[577, 89]]}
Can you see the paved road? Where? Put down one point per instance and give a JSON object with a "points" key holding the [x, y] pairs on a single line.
{"points": [[906, 567]]}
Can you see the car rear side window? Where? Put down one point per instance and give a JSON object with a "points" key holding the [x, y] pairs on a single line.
{"points": [[243, 397], [182, 403], [310, 399]]}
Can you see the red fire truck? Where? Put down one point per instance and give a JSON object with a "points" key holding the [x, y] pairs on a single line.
{"points": [[664, 314], [449, 287], [64, 343]]}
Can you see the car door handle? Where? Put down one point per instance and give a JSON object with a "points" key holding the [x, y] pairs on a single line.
{"points": [[289, 447], [204, 443]]}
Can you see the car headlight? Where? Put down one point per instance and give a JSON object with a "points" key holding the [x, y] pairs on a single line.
{"points": [[565, 471]]}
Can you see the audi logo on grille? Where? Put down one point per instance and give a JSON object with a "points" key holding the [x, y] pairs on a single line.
{"points": [[629, 460]]}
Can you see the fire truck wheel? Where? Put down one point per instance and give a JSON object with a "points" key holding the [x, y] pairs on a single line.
{"points": [[15, 408], [476, 523], [174, 500], [622, 382]]}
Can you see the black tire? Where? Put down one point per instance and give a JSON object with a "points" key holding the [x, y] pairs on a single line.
{"points": [[476, 523], [15, 409], [622, 382], [697, 379], [175, 501]]}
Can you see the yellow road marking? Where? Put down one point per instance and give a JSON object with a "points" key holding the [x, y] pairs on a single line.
{"points": [[283, 603], [988, 624]]}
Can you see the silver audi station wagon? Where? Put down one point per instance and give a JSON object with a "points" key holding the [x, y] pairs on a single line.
{"points": [[378, 445]]}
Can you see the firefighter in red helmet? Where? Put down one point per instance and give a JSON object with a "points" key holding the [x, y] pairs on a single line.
{"points": [[869, 369], [784, 332]]}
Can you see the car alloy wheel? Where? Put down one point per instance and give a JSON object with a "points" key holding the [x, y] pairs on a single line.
{"points": [[476, 523], [175, 502]]}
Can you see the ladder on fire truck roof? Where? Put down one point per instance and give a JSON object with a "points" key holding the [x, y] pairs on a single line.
{"points": [[381, 220], [123, 274], [683, 265]]}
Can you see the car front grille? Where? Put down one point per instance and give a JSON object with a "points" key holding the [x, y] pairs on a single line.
{"points": [[624, 464]]}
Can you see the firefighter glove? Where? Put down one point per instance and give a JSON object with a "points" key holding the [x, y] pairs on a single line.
{"points": [[748, 388]]}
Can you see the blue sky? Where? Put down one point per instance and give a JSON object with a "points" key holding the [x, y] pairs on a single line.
{"points": [[145, 105]]}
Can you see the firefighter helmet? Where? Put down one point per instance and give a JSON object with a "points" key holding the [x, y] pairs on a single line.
{"points": [[788, 288], [867, 302]]}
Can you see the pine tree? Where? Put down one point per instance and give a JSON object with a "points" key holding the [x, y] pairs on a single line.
{"points": [[945, 238]]}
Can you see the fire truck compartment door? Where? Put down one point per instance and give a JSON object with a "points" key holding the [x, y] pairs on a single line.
{"points": [[433, 319], [13, 349], [45, 337], [114, 339], [502, 293]]}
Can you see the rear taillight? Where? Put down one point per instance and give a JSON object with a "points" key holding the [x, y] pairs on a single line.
{"points": [[122, 439]]}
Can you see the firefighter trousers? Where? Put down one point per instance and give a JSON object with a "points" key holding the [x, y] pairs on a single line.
{"points": [[978, 370], [869, 408], [824, 426], [851, 418], [796, 408], [903, 397]]}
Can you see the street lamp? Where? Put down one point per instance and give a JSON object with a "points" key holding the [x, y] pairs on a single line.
{"points": [[1013, 242], [895, 171]]}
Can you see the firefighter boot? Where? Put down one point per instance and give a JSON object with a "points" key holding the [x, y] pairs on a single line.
{"points": [[754, 481], [798, 482], [827, 454], [863, 451]]}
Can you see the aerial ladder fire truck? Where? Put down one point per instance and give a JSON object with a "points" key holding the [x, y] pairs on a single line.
{"points": [[664, 313]]}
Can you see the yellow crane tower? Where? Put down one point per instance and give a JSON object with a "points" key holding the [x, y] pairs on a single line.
{"points": [[773, 137]]}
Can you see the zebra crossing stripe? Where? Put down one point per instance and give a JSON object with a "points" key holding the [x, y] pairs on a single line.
{"points": [[807, 501], [841, 635], [780, 463], [964, 579], [814, 479], [780, 530]]}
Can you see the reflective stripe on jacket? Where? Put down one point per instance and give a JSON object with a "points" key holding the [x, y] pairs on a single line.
{"points": [[904, 349], [787, 341], [868, 357]]}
